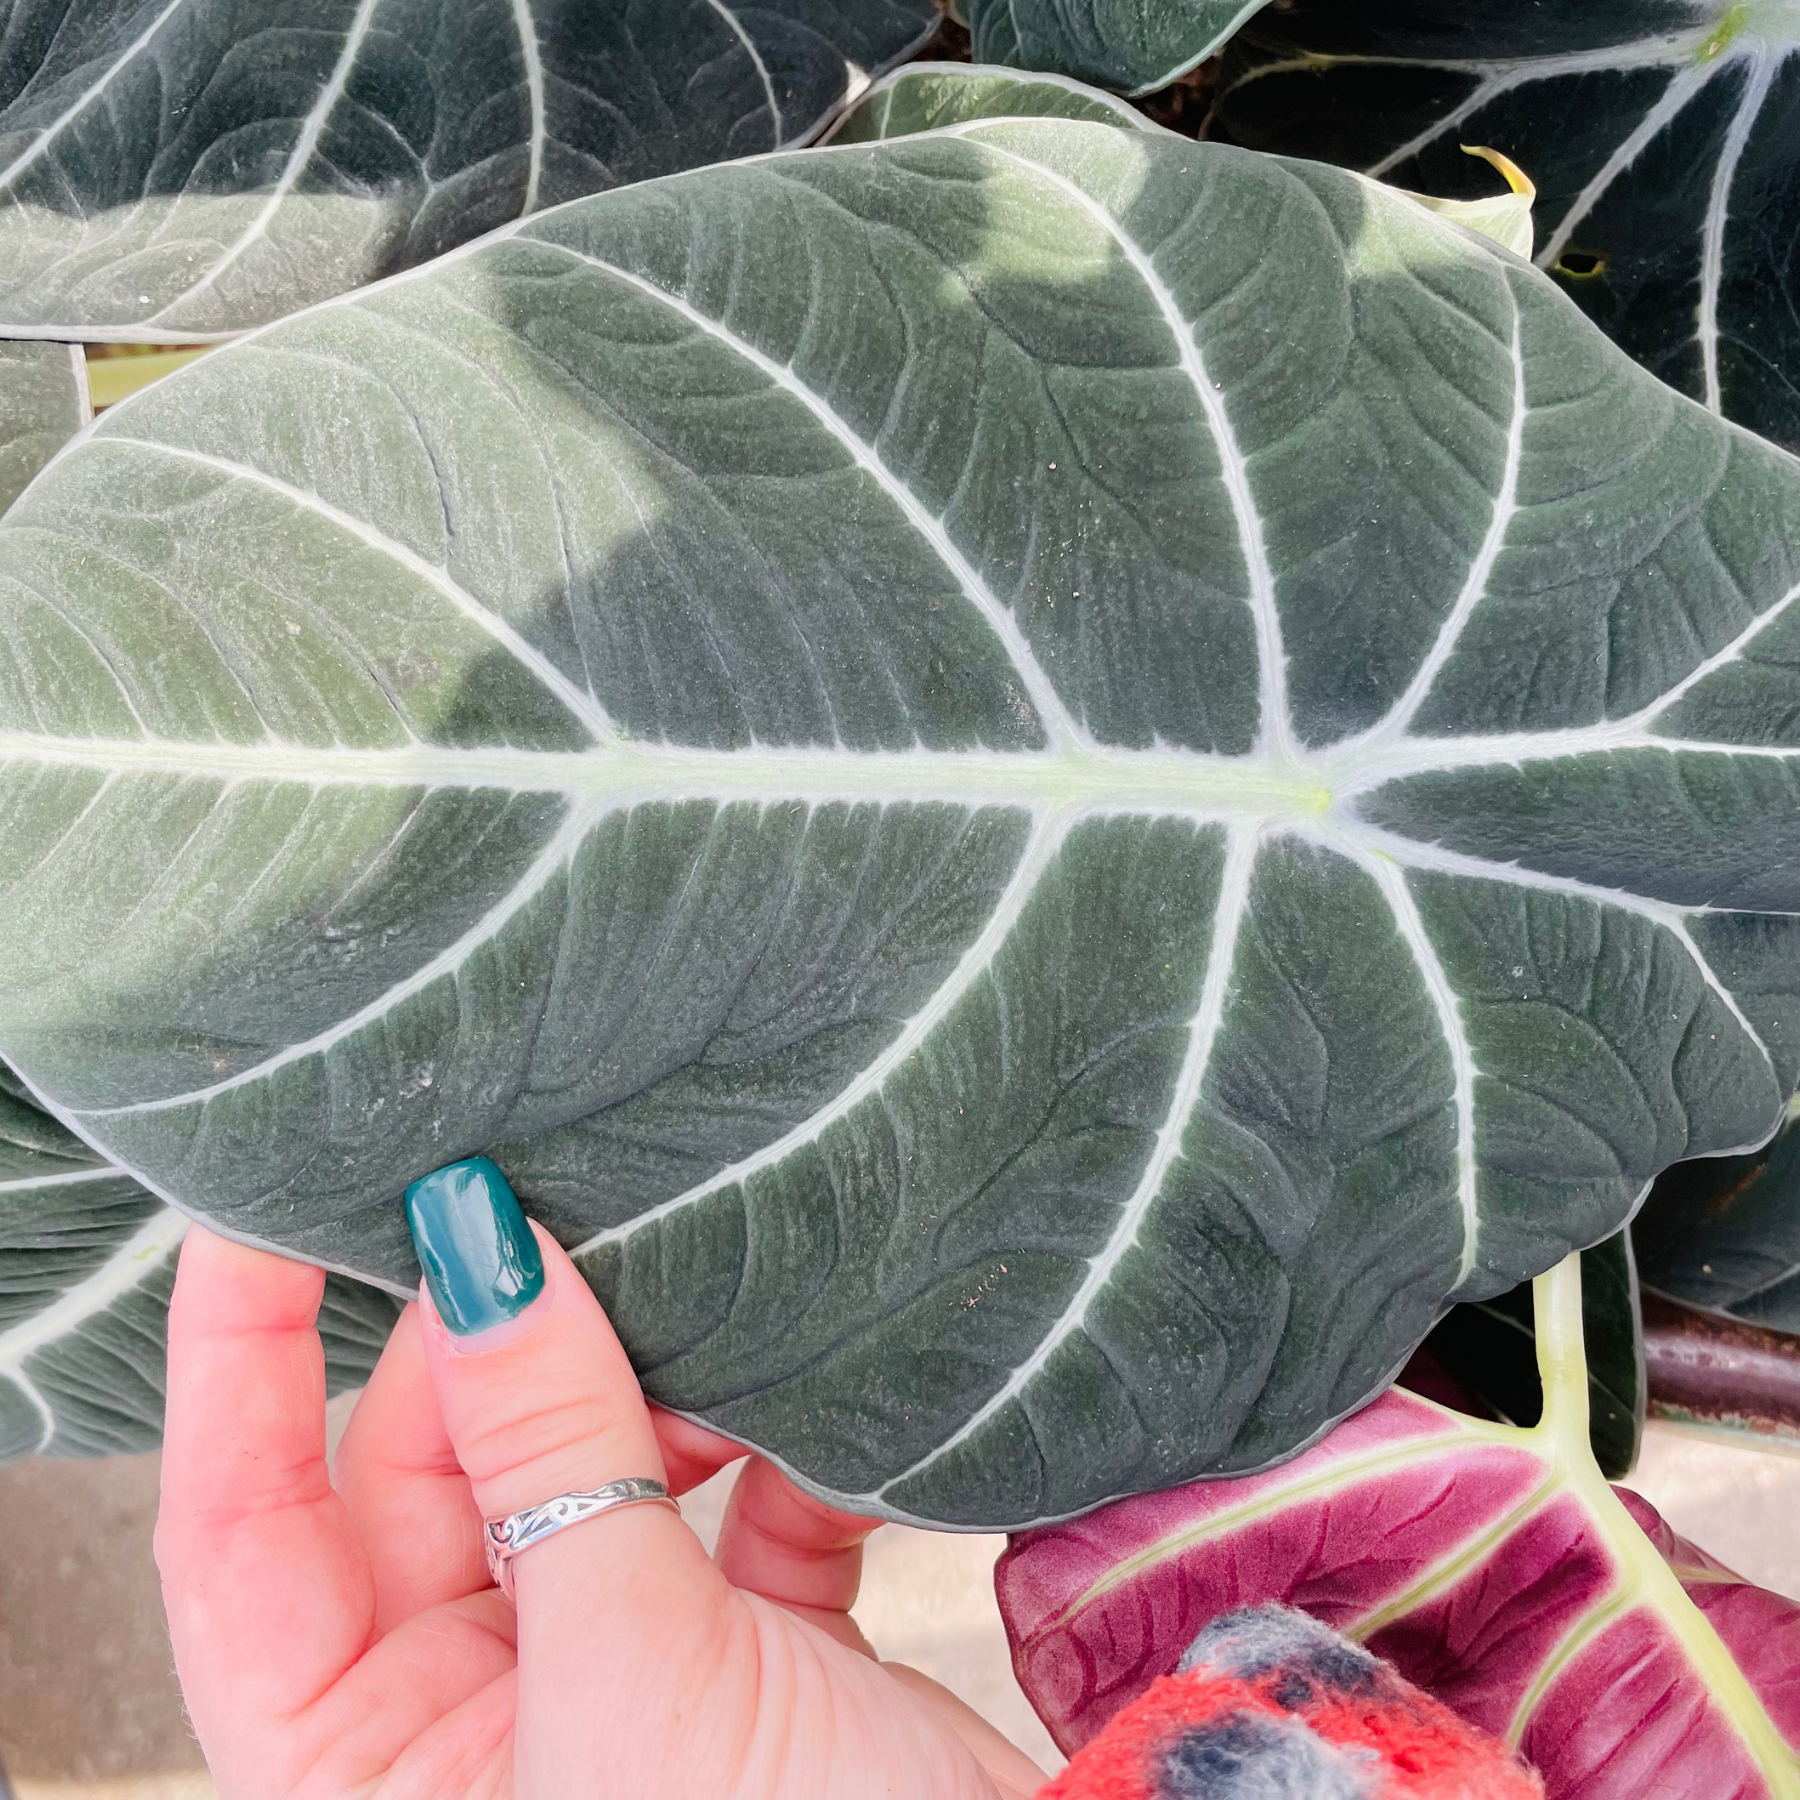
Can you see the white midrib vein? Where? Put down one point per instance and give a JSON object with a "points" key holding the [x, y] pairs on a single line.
{"points": [[1059, 725], [1074, 780], [531, 52], [1718, 214], [760, 778], [1229, 912], [299, 159], [1276, 730], [1072, 777]]}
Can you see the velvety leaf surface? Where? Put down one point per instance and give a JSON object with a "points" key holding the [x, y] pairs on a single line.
{"points": [[1132, 45], [1490, 1347], [179, 169], [1037, 784], [1503, 1578], [43, 403], [1661, 135], [1724, 1233], [87, 1262], [928, 96]]}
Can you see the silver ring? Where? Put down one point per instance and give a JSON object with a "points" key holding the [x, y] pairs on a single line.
{"points": [[505, 1538]]}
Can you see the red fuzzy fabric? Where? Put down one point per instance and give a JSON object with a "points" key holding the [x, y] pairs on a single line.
{"points": [[1413, 1747]]}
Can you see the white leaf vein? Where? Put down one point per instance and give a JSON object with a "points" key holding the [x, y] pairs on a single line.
{"points": [[771, 100], [128, 1267], [1435, 859], [299, 160], [31, 1184], [1718, 215], [446, 965], [1276, 735], [532, 53], [1229, 913], [578, 700], [1447, 1004], [1475, 587], [1041, 847], [35, 1399], [1682, 88], [1059, 726], [51, 132]]}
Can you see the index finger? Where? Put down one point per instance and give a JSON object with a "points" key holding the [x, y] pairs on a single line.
{"points": [[269, 1595]]}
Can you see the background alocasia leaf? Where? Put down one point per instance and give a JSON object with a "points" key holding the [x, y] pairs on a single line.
{"points": [[43, 403], [1661, 136], [1493, 1566], [87, 1262], [1132, 45], [927, 96], [1038, 783], [1490, 1346], [181, 169], [1724, 1233]]}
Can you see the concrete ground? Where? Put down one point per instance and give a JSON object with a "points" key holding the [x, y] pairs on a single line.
{"points": [[89, 1709]]}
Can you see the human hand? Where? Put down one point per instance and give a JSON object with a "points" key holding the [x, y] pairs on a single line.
{"points": [[344, 1640]]}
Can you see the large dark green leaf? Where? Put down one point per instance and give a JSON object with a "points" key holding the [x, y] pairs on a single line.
{"points": [[1662, 136], [43, 403], [87, 1262], [1133, 45], [1038, 782], [181, 169], [1490, 1346], [1724, 1233]]}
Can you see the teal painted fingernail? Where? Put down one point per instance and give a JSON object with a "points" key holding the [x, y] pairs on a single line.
{"points": [[480, 1260]]}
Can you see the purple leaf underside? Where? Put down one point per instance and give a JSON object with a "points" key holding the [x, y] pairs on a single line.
{"points": [[1466, 1553]]}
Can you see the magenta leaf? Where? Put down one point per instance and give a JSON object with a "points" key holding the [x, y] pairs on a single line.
{"points": [[1492, 1565]]}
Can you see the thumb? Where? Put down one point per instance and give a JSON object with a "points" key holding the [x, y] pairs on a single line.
{"points": [[538, 1400]]}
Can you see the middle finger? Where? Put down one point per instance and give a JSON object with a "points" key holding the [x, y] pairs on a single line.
{"points": [[794, 1550], [406, 1493]]}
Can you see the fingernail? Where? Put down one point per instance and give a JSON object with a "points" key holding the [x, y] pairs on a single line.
{"points": [[481, 1262]]}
